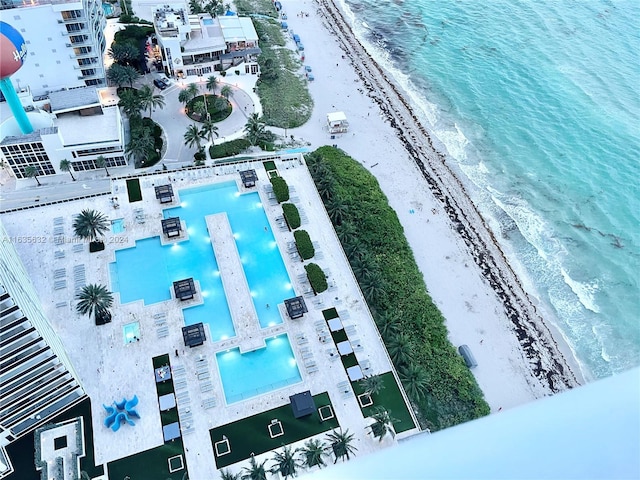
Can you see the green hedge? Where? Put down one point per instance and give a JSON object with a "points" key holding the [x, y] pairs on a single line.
{"points": [[280, 189], [317, 278], [291, 215], [304, 245], [440, 386], [229, 149]]}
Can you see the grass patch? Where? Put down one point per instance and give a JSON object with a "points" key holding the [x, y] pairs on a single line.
{"points": [[133, 190], [251, 435], [153, 463], [349, 361], [390, 398], [330, 313], [169, 416], [213, 103]]}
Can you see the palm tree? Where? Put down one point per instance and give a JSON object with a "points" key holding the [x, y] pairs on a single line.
{"points": [[212, 84], [286, 462], [312, 453], [193, 136], [387, 323], [382, 424], [226, 92], [400, 349], [255, 129], [201, 109], [31, 171], [346, 232], [123, 53], [227, 475], [209, 128], [65, 166], [101, 162], [415, 380], [90, 224], [371, 384], [372, 286], [255, 471], [140, 146], [122, 74], [149, 100], [340, 444], [130, 103], [95, 300], [188, 94], [337, 211]]}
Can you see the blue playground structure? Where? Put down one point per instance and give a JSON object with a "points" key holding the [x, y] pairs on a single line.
{"points": [[121, 412]]}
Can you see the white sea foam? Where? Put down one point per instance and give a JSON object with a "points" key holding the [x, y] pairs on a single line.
{"points": [[584, 291]]}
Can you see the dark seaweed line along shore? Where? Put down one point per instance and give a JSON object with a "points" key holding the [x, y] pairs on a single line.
{"points": [[545, 358]]}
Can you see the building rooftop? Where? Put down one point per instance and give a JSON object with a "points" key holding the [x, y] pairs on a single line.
{"points": [[74, 99], [79, 130]]}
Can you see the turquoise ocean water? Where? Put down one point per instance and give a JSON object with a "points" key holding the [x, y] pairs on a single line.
{"points": [[538, 102]]}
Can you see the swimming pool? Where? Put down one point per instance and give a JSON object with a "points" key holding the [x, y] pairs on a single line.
{"points": [[108, 9], [257, 372], [131, 332], [117, 225], [207, 21], [263, 266]]}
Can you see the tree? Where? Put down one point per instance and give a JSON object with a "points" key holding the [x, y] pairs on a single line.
{"points": [[286, 462], [122, 74], [372, 286], [31, 171], [337, 211], [142, 145], [90, 224], [387, 323], [226, 91], [212, 84], [65, 166], [101, 162], [415, 380], [382, 424], [149, 100], [201, 109], [227, 475], [313, 453], [189, 93], [371, 384], [95, 300], [193, 136], [255, 471], [209, 129], [340, 444], [124, 53], [255, 128], [400, 349], [130, 103]]}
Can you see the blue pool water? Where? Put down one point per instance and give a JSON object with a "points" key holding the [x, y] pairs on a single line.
{"points": [[131, 332], [108, 9], [117, 225], [207, 21], [243, 376], [264, 268]]}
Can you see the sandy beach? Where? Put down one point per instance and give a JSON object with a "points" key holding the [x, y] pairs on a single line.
{"points": [[521, 357]]}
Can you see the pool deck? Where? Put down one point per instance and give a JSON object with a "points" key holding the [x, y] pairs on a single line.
{"points": [[109, 369]]}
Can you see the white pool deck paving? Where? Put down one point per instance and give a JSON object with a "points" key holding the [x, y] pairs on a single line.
{"points": [[111, 369]]}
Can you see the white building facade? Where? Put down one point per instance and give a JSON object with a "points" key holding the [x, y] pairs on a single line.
{"points": [[65, 43]]}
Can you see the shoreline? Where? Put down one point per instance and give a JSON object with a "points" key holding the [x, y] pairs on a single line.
{"points": [[545, 353]]}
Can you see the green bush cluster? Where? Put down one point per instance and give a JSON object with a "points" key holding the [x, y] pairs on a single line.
{"points": [[280, 189], [440, 386], [291, 215], [229, 149], [317, 278], [303, 244]]}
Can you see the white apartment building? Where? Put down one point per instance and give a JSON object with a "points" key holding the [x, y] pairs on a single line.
{"points": [[69, 125], [65, 43], [200, 44], [37, 379]]}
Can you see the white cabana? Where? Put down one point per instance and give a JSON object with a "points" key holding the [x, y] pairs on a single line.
{"points": [[337, 122]]}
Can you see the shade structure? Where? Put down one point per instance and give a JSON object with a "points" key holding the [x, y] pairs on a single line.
{"points": [[184, 289], [193, 335], [249, 178], [164, 193], [302, 404], [296, 307], [167, 401], [171, 227], [171, 431]]}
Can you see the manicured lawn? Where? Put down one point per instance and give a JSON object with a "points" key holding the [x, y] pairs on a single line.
{"points": [[153, 463], [390, 398], [330, 313], [251, 435], [133, 190]]}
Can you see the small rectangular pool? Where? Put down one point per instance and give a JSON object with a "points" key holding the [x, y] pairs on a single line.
{"points": [[117, 225], [254, 373], [131, 332]]}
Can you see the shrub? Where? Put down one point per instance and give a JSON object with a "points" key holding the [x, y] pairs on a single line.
{"points": [[229, 149], [303, 244], [280, 189], [223, 73], [317, 278], [237, 72], [291, 215]]}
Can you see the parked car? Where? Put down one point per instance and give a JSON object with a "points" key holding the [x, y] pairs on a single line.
{"points": [[160, 84]]}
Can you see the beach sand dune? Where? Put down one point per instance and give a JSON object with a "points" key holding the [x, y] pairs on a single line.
{"points": [[466, 272]]}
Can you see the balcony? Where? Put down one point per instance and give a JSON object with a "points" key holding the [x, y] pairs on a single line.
{"points": [[83, 31], [72, 20]]}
